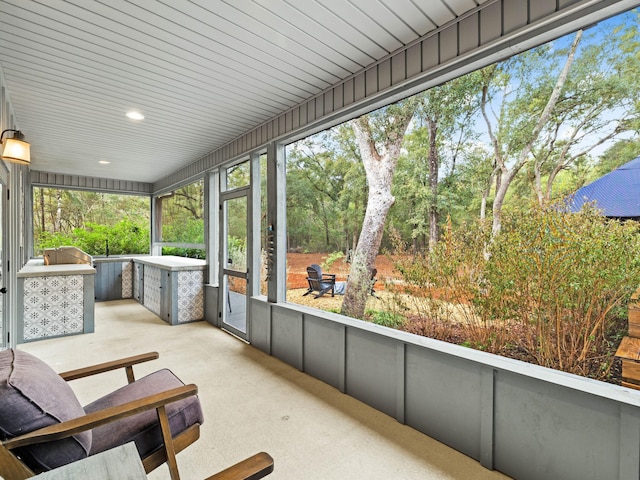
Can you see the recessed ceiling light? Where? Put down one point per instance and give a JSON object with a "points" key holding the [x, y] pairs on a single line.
{"points": [[135, 115], [104, 162]]}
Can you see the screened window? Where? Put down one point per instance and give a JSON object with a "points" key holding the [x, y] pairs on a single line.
{"points": [[97, 223], [181, 221]]}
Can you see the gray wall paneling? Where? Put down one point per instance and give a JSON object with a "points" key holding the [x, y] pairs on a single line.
{"points": [[286, 335], [211, 305], [526, 421], [260, 319], [77, 182]]}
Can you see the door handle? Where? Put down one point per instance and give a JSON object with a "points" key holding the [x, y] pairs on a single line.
{"points": [[3, 290]]}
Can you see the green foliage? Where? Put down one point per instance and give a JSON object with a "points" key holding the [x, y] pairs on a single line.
{"points": [[183, 214], [89, 220], [187, 230], [615, 156], [185, 252], [551, 285], [237, 252], [331, 259], [124, 237], [386, 319], [326, 192]]}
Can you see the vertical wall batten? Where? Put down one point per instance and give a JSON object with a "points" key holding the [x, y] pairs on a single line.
{"points": [[401, 377], [486, 420], [342, 378]]}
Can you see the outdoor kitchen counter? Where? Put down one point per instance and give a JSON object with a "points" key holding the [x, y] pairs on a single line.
{"points": [[171, 287], [54, 300], [37, 268]]}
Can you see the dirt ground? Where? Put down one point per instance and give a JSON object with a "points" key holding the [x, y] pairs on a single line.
{"points": [[297, 264], [297, 285]]}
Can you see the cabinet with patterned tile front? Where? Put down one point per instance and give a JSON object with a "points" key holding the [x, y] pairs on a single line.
{"points": [[171, 287], [54, 300]]}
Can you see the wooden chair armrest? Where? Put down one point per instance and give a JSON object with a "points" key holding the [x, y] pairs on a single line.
{"points": [[101, 417], [126, 363], [252, 468], [329, 276]]}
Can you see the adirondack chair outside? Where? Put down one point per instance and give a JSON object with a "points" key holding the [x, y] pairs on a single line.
{"points": [[319, 282], [326, 282]]}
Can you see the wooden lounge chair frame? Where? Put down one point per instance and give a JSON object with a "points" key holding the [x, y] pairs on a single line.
{"points": [[12, 468]]}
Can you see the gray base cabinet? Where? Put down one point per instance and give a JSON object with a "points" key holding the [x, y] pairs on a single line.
{"points": [[114, 279], [54, 300], [108, 281], [171, 287]]}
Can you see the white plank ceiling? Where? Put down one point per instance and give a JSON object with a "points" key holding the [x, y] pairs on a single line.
{"points": [[201, 71]]}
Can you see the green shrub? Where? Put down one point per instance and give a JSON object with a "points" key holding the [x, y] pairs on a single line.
{"points": [[185, 252], [331, 259], [563, 276], [551, 287], [237, 252], [386, 319], [125, 237]]}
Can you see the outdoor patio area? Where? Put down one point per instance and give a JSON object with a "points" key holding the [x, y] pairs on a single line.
{"points": [[254, 402]]}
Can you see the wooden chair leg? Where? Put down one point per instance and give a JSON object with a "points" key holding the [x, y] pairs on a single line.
{"points": [[180, 442], [168, 443], [11, 467]]}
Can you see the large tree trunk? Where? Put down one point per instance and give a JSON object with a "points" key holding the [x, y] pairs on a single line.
{"points": [[379, 170]]}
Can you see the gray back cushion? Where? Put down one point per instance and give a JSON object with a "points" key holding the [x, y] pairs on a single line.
{"points": [[33, 396]]}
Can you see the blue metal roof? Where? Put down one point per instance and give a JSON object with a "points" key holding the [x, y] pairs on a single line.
{"points": [[617, 193]]}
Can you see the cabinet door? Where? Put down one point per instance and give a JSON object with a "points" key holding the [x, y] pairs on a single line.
{"points": [[108, 281], [153, 292], [138, 282], [166, 302]]}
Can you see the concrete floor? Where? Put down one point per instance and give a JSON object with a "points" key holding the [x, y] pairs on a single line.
{"points": [[253, 402]]}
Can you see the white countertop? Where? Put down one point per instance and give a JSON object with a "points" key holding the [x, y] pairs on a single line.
{"points": [[37, 268], [170, 262]]}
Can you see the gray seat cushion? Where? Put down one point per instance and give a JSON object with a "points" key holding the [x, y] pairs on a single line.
{"points": [[143, 428], [33, 396]]}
